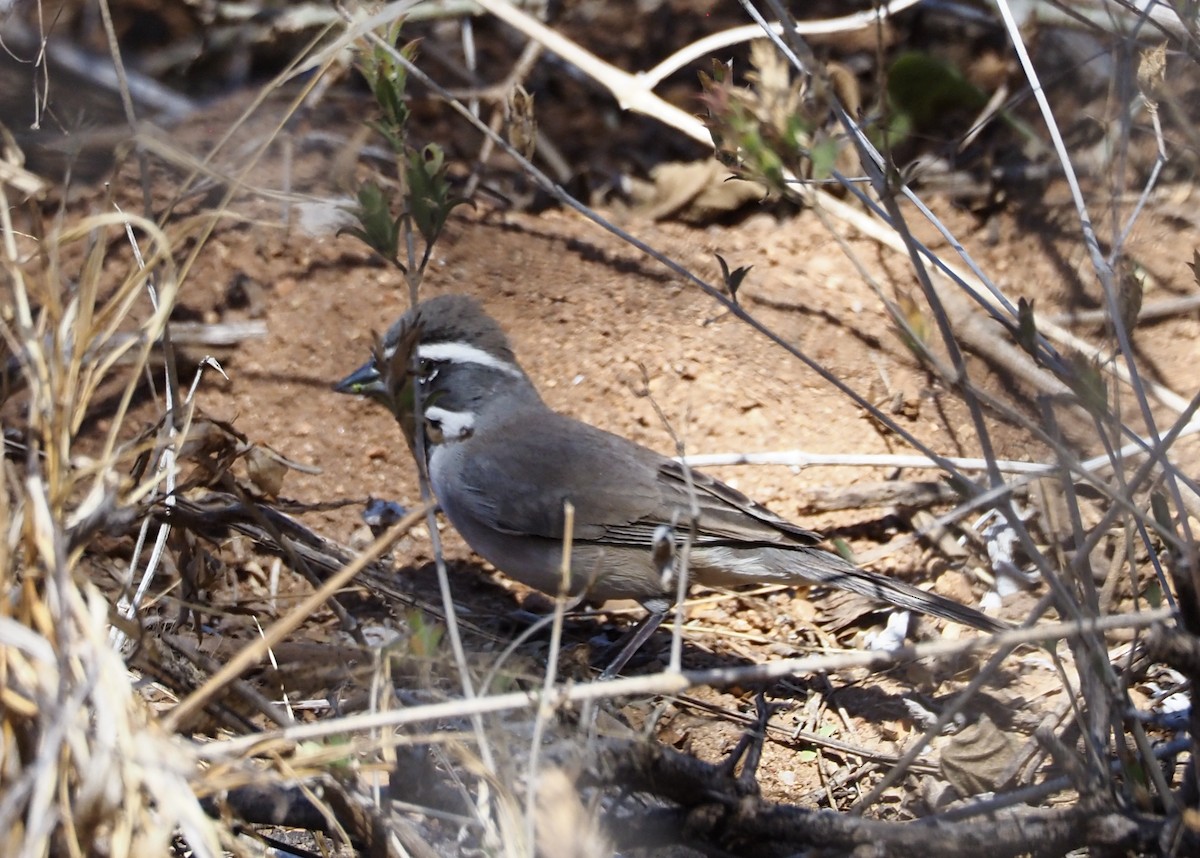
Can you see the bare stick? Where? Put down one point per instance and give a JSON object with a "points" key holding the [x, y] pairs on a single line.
{"points": [[676, 683]]}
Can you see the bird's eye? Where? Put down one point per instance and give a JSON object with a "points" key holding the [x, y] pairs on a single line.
{"points": [[427, 370]]}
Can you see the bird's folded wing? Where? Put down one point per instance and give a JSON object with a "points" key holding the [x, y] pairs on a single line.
{"points": [[727, 515], [622, 492], [549, 463]]}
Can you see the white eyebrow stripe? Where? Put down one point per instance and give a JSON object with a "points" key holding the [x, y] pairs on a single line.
{"points": [[465, 353], [454, 425]]}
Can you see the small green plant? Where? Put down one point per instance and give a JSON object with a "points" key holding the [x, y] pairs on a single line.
{"points": [[732, 278], [426, 637], [418, 651], [386, 72], [389, 222], [774, 130]]}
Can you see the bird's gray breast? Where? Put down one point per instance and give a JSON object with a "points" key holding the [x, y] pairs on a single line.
{"points": [[505, 489], [532, 560]]}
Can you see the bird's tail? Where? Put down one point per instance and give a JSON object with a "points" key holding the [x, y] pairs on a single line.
{"points": [[824, 567], [815, 566]]}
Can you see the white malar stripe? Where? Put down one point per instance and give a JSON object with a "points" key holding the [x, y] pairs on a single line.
{"points": [[451, 425], [465, 353]]}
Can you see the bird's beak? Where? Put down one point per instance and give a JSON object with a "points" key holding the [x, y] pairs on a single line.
{"points": [[369, 381], [364, 381]]}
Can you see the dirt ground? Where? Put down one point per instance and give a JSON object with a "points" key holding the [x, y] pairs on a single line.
{"points": [[598, 325]]}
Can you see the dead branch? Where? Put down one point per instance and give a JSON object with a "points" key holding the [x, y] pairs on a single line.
{"points": [[371, 830], [909, 494], [716, 807]]}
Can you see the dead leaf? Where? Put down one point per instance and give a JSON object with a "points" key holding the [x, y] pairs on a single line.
{"points": [[1152, 69], [693, 191], [978, 757], [522, 126], [266, 471]]}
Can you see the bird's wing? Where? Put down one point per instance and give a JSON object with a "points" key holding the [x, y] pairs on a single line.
{"points": [[727, 515], [548, 462], [622, 492]]}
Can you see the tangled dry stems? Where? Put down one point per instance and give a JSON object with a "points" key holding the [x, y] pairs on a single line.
{"points": [[86, 767]]}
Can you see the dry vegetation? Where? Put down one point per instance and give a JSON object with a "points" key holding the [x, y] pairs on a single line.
{"points": [[190, 665]]}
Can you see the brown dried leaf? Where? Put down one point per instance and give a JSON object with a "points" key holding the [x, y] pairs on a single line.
{"points": [[978, 757], [694, 191], [211, 446], [266, 470], [522, 126], [1152, 69], [840, 610], [778, 97], [1130, 289]]}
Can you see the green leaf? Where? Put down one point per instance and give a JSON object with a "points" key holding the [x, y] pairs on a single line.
{"points": [[733, 279], [429, 199], [387, 78], [823, 153], [1026, 332], [425, 637], [1161, 510], [926, 89], [1087, 382], [378, 229], [1153, 594]]}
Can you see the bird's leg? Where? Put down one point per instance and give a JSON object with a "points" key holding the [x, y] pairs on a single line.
{"points": [[633, 640], [748, 752]]}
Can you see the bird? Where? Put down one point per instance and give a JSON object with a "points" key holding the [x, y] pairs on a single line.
{"points": [[504, 465]]}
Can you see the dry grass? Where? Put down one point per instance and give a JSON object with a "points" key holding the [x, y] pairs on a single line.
{"points": [[87, 769]]}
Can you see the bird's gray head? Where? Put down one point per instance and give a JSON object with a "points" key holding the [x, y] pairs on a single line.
{"points": [[464, 365]]}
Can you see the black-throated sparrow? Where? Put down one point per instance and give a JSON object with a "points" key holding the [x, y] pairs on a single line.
{"points": [[502, 465]]}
